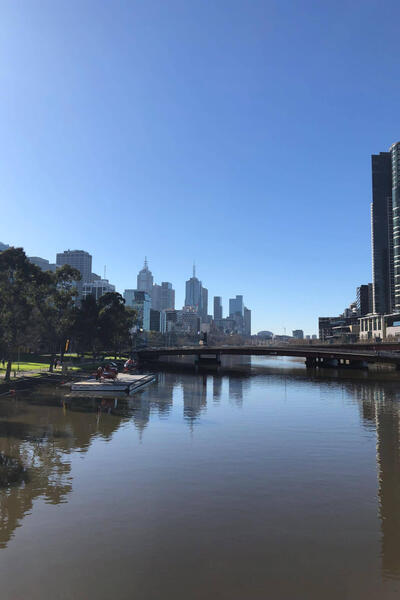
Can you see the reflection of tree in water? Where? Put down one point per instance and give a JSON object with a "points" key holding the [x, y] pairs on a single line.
{"points": [[380, 408], [39, 437]]}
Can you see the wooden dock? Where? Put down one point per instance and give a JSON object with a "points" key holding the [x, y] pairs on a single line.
{"points": [[124, 383]]}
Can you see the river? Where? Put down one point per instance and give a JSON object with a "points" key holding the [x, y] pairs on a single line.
{"points": [[258, 483]]}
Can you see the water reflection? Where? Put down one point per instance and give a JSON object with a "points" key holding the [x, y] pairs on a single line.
{"points": [[41, 442], [194, 398], [381, 410], [41, 434]]}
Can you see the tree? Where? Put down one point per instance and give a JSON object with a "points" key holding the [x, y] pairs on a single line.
{"points": [[58, 310], [115, 321], [86, 329], [20, 281]]}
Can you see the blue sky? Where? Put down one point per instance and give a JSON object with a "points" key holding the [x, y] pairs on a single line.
{"points": [[235, 133]]}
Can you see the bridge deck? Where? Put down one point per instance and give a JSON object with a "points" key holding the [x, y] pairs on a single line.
{"points": [[297, 351]]}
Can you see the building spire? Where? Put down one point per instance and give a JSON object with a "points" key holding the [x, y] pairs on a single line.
{"points": [[145, 263], [194, 269]]}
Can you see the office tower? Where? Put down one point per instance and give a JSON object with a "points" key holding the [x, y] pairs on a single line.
{"points": [[236, 306], [145, 279], [80, 260], [204, 303], [194, 296], [382, 230], [157, 320], [141, 302], [247, 321], [364, 301], [217, 308], [163, 296]]}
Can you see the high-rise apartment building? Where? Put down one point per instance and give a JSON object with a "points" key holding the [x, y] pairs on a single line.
{"points": [[145, 279], [385, 220], [395, 156], [217, 308]]}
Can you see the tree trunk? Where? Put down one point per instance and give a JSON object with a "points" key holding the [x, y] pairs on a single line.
{"points": [[51, 366], [8, 371]]}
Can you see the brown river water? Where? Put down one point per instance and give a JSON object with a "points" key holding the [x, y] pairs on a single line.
{"points": [[279, 484]]}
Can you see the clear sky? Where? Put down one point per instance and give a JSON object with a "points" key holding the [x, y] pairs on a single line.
{"points": [[235, 133]]}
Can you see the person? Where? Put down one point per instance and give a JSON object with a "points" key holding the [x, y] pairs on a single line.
{"points": [[3, 362], [55, 362]]}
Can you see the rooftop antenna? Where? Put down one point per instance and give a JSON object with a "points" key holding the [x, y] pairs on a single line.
{"points": [[194, 269], [145, 262]]}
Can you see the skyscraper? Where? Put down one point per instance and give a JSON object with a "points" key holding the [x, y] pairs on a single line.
{"points": [[247, 321], [204, 302], [395, 156], [194, 296], [145, 279], [80, 260], [236, 306], [217, 308], [163, 296], [382, 233]]}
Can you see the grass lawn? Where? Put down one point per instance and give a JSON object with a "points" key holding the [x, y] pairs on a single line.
{"points": [[33, 366]]}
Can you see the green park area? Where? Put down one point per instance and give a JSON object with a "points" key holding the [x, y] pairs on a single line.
{"points": [[41, 313]]}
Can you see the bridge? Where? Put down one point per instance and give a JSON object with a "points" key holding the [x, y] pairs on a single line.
{"points": [[315, 356]]}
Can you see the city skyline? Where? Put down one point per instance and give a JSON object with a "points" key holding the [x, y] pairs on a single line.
{"points": [[241, 145]]}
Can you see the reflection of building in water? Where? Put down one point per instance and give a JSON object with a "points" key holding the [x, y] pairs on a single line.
{"points": [[42, 446], [380, 406], [236, 390], [140, 411], [164, 396], [194, 397], [217, 389]]}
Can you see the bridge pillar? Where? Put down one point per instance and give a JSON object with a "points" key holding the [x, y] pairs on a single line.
{"points": [[311, 362]]}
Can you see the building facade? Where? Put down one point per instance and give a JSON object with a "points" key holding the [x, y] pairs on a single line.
{"points": [[97, 288], [364, 299], [236, 306], [145, 279], [247, 321], [80, 260], [193, 293], [163, 296], [298, 334], [385, 222], [217, 308], [42, 263]]}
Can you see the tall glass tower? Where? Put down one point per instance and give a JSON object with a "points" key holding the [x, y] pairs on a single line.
{"points": [[395, 165], [385, 225]]}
